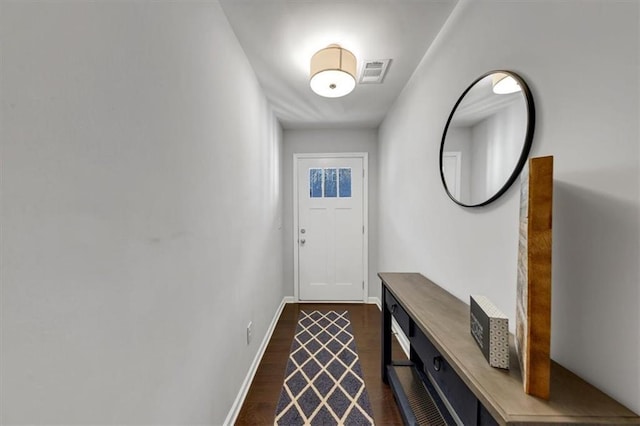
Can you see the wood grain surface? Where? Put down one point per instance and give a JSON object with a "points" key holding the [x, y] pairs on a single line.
{"points": [[533, 307]]}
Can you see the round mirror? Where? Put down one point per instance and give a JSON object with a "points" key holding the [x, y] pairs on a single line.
{"points": [[487, 138]]}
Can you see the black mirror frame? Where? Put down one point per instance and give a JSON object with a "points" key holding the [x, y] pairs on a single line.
{"points": [[528, 138]]}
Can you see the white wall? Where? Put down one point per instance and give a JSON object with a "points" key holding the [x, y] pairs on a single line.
{"points": [[567, 51], [331, 141], [141, 213]]}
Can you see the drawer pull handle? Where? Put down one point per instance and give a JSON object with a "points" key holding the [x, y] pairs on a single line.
{"points": [[437, 363], [393, 308]]}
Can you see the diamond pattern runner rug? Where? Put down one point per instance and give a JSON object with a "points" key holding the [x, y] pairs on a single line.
{"points": [[323, 382]]}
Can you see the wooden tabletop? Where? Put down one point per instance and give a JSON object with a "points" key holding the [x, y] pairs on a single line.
{"points": [[444, 319]]}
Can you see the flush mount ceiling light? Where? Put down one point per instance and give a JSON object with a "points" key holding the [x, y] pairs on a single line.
{"points": [[333, 72], [504, 84]]}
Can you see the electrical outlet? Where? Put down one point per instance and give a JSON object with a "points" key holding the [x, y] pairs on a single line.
{"points": [[249, 330]]}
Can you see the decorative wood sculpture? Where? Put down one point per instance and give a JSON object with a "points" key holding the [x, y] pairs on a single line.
{"points": [[533, 307]]}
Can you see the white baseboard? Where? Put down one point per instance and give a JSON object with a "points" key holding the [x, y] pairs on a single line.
{"points": [[375, 301], [244, 389], [395, 328], [342, 302]]}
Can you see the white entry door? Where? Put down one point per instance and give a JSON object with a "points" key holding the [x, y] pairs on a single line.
{"points": [[330, 234]]}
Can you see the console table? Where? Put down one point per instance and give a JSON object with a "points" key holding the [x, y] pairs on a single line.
{"points": [[449, 380]]}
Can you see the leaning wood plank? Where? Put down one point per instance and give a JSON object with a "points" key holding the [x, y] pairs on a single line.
{"points": [[533, 311]]}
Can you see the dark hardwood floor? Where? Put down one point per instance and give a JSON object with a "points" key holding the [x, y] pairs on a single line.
{"points": [[260, 404]]}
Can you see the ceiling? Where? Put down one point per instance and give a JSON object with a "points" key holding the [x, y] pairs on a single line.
{"points": [[280, 36], [479, 102]]}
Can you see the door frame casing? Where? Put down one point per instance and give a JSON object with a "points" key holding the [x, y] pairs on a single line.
{"points": [[365, 220], [458, 157]]}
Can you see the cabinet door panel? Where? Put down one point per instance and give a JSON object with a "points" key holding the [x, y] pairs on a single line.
{"points": [[461, 399]]}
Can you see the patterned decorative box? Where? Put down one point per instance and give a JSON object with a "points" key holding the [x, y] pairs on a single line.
{"points": [[490, 329]]}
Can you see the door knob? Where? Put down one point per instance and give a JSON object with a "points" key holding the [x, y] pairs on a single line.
{"points": [[302, 231], [302, 241]]}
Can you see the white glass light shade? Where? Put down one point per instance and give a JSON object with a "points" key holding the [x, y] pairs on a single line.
{"points": [[504, 84], [333, 72]]}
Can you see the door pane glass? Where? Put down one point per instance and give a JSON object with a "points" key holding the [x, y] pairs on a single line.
{"points": [[315, 183], [345, 183], [330, 183]]}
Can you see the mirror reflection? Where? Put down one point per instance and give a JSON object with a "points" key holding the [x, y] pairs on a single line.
{"points": [[487, 138]]}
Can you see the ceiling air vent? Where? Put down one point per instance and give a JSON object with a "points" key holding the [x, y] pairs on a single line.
{"points": [[373, 71]]}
